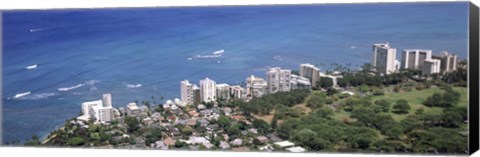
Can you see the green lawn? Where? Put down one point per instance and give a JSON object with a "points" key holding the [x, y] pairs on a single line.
{"points": [[341, 115], [415, 99]]}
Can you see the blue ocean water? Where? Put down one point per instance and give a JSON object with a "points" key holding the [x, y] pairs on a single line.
{"points": [[106, 50]]}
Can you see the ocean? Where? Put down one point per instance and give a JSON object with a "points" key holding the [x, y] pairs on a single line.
{"points": [[137, 53]]}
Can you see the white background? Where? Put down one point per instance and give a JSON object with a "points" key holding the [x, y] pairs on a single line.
{"points": [[49, 4]]}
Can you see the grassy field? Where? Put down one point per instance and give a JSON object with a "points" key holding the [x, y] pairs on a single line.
{"points": [[415, 99]]}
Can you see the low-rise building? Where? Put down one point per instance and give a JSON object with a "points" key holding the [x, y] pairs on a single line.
{"points": [[224, 145], [133, 109], [296, 149], [284, 144], [237, 142], [262, 139]]}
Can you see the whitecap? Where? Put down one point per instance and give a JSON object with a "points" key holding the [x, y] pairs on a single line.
{"points": [[36, 29], [64, 89], [91, 82], [19, 95], [35, 96], [41, 96], [353, 47], [279, 58], [215, 54], [134, 85], [93, 88], [219, 52], [31, 67]]}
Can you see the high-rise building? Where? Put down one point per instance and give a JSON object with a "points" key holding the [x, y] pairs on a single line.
{"points": [[256, 86], [449, 62], [223, 91], [413, 58], [101, 114], [101, 111], [207, 90], [196, 95], [278, 80], [87, 105], [299, 82], [237, 92], [107, 100], [384, 58], [186, 92], [431, 66], [311, 72]]}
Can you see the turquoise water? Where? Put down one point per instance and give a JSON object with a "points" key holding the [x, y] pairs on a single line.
{"points": [[113, 50]]}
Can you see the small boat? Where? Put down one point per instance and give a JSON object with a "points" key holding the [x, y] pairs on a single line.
{"points": [[21, 94], [31, 67]]}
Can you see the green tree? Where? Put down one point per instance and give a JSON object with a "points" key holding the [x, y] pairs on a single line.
{"points": [[316, 100], [233, 130], [383, 104], [187, 130], [325, 112], [401, 107], [223, 121], [305, 137], [274, 122], [132, 124], [76, 141], [34, 141], [452, 119], [261, 125], [411, 123], [325, 82]]}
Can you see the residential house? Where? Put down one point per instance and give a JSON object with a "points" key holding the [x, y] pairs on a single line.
{"points": [[224, 145], [237, 142], [169, 141], [262, 139], [191, 122]]}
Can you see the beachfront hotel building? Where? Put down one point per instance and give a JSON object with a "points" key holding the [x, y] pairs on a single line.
{"points": [[311, 72], [431, 66], [207, 90], [101, 111], [86, 108], [384, 58], [256, 86], [223, 91], [278, 80], [186, 92], [414, 58], [101, 114]]}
